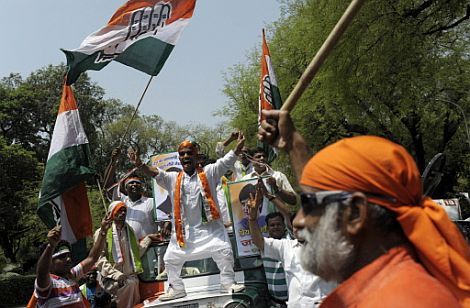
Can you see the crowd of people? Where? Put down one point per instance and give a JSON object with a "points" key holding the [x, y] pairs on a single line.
{"points": [[364, 236]]}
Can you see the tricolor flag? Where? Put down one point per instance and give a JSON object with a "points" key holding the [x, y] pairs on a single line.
{"points": [[269, 95], [63, 198], [141, 34]]}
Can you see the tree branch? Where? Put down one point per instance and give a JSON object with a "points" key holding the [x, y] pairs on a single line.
{"points": [[416, 11], [452, 25]]}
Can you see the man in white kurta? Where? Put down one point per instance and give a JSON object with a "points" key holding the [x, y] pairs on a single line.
{"points": [[201, 239]]}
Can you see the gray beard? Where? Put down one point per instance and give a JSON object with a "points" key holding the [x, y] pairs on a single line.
{"points": [[327, 252]]}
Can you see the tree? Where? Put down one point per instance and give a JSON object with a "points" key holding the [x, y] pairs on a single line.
{"points": [[398, 72], [19, 171]]}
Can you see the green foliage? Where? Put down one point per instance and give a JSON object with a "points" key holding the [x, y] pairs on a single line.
{"points": [[398, 72], [19, 174], [16, 290]]}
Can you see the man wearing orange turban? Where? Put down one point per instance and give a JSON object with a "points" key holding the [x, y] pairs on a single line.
{"points": [[368, 226], [198, 230]]}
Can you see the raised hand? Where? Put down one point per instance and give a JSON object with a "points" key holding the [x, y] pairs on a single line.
{"points": [[134, 156], [53, 236], [277, 129], [106, 222], [240, 143]]}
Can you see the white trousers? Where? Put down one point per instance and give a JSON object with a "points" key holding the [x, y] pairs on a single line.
{"points": [[223, 258]]}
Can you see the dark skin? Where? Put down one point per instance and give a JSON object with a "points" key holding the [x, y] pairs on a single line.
{"points": [[260, 167], [370, 242], [187, 157], [61, 265]]}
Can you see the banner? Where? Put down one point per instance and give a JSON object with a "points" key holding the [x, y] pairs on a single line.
{"points": [[168, 162], [239, 194]]}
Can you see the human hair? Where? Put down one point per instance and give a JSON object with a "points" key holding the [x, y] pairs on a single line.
{"points": [[258, 150], [383, 219], [61, 243], [245, 192], [273, 215]]}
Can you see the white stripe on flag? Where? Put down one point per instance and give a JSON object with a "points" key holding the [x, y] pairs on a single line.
{"points": [[67, 233], [68, 131]]}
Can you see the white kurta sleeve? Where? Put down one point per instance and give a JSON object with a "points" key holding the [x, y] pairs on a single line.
{"points": [[221, 166], [274, 248]]}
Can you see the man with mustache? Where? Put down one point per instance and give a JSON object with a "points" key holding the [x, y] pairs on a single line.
{"points": [[303, 288], [275, 182], [367, 225], [198, 230]]}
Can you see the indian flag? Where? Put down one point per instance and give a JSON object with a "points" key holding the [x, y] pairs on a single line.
{"points": [[141, 34], [63, 198], [269, 95]]}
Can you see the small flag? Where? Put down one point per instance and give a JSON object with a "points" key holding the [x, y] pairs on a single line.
{"points": [[63, 198], [141, 34], [269, 95]]}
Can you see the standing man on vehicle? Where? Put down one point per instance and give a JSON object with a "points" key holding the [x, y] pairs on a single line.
{"points": [[368, 226], [304, 288], [198, 230]]}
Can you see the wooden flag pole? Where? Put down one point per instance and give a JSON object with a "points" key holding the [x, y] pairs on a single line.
{"points": [[121, 142], [322, 54], [135, 112]]}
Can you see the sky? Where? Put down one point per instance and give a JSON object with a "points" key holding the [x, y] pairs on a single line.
{"points": [[188, 89]]}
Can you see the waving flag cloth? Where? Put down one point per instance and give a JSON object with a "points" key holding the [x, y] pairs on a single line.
{"points": [[269, 95], [141, 34], [63, 199]]}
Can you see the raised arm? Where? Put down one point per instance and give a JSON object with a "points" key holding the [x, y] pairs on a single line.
{"points": [[44, 263], [279, 131], [278, 203], [255, 230], [285, 195], [110, 170], [98, 245], [135, 159]]}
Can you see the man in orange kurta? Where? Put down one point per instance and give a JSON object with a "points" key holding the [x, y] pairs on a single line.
{"points": [[368, 227]]}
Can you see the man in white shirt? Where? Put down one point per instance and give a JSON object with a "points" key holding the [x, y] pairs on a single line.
{"points": [[304, 288], [276, 182], [140, 210], [197, 228]]}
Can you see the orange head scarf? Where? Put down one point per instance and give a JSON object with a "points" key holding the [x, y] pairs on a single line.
{"points": [[375, 165], [114, 207], [188, 144]]}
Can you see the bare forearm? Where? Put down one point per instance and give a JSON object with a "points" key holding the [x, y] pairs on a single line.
{"points": [[299, 154], [256, 234], [287, 196], [95, 251], [109, 174], [283, 209], [44, 267]]}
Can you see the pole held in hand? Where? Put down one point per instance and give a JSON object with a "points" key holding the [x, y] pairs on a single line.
{"points": [[322, 54]]}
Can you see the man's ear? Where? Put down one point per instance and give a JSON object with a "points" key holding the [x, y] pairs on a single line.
{"points": [[355, 214]]}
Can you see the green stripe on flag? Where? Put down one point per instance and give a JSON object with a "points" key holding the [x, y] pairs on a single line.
{"points": [[64, 170], [147, 55]]}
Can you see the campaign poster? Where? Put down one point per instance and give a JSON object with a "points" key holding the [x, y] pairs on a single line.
{"points": [[239, 195], [168, 162]]}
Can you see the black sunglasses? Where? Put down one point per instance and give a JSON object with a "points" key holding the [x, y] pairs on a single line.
{"points": [[313, 201]]}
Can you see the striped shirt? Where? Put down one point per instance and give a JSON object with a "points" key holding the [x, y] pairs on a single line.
{"points": [[276, 277], [61, 292]]}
